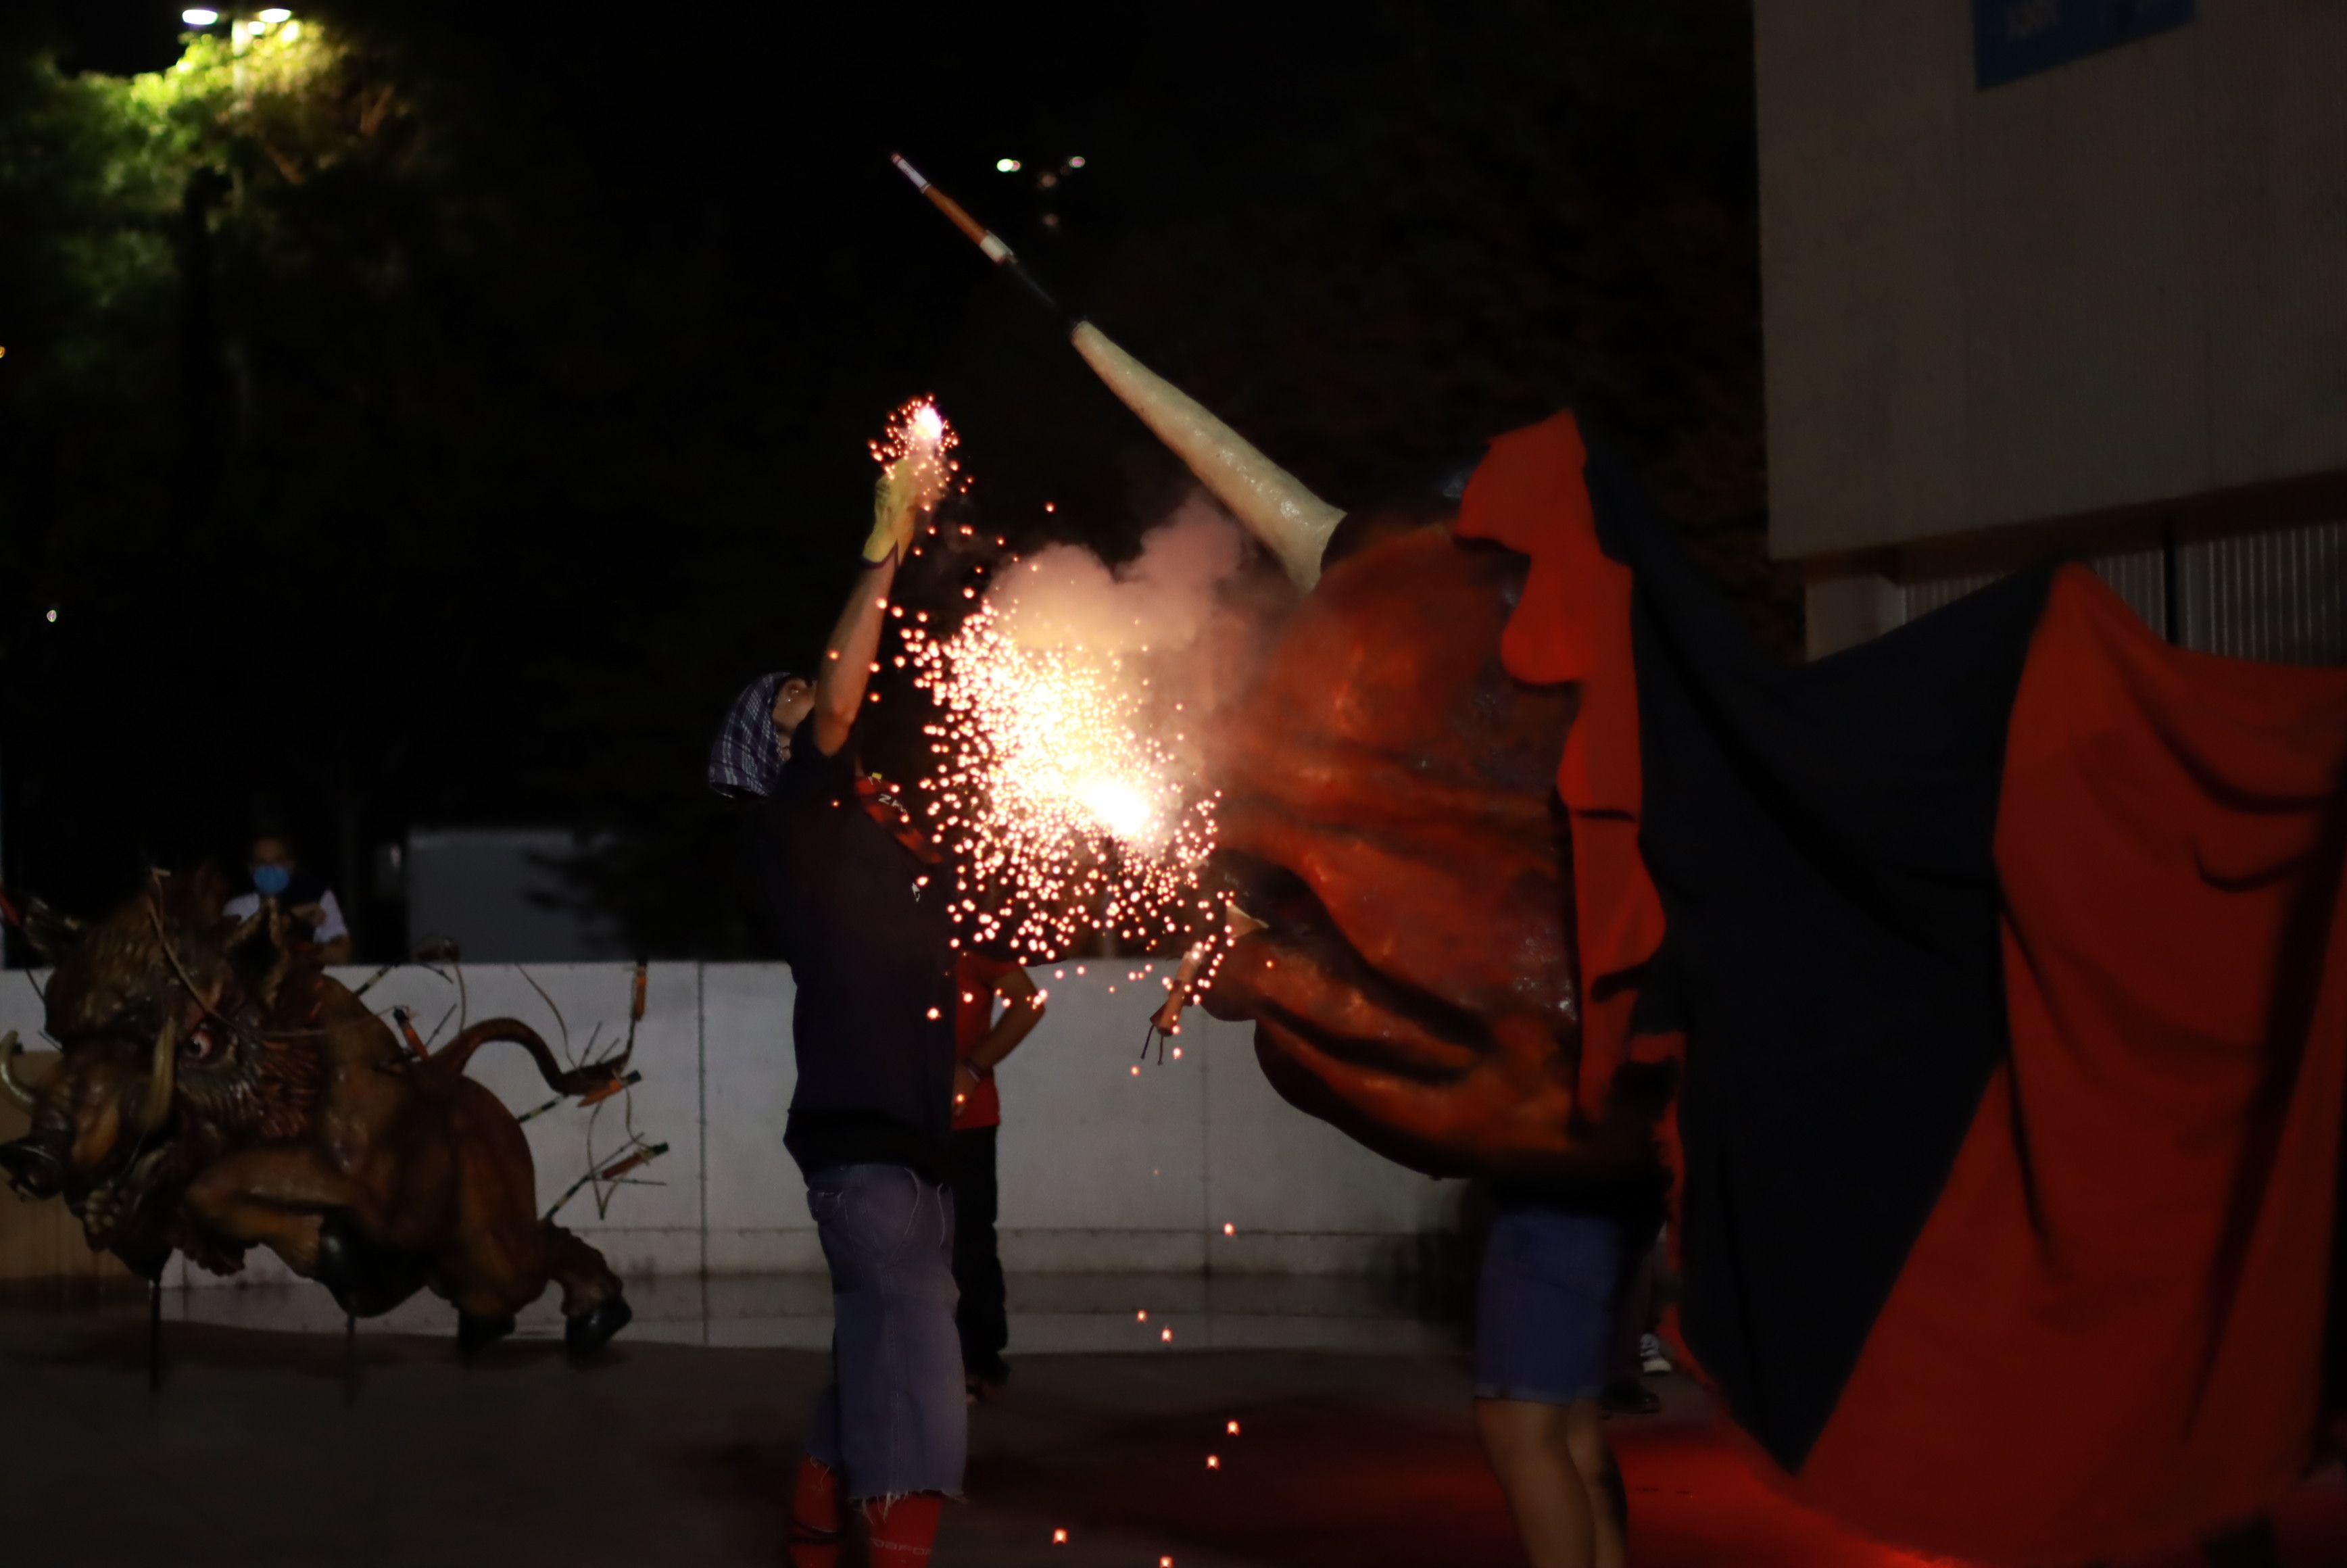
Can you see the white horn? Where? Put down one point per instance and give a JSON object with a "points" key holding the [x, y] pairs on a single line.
{"points": [[1291, 522], [155, 1109]]}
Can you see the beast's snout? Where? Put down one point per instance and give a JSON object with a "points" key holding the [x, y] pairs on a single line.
{"points": [[32, 1167]]}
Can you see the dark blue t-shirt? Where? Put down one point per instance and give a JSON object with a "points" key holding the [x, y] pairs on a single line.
{"points": [[863, 922]]}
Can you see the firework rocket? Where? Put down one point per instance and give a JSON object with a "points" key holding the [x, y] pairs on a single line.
{"points": [[985, 239], [1289, 520]]}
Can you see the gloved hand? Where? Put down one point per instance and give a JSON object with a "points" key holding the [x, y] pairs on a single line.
{"points": [[908, 488], [892, 526]]}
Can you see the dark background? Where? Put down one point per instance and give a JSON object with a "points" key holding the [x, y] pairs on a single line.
{"points": [[445, 441]]}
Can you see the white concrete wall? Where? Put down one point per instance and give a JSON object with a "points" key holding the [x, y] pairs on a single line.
{"points": [[2119, 282], [1102, 1170]]}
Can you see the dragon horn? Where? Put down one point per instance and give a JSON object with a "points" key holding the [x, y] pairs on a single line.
{"points": [[1289, 520], [10, 1084], [155, 1109]]}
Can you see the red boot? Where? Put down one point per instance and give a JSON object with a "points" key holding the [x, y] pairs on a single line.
{"points": [[902, 1530], [818, 1522]]}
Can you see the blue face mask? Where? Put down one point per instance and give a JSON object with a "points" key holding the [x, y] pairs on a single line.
{"points": [[271, 881]]}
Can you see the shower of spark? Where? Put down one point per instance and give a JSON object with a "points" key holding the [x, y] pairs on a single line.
{"points": [[913, 454], [1072, 792]]}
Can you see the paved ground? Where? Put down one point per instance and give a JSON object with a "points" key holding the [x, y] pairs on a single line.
{"points": [[258, 1452]]}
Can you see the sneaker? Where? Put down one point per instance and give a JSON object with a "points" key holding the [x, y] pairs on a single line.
{"points": [[1652, 1360]]}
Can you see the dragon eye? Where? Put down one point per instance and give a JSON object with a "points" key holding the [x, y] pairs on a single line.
{"points": [[203, 1045]]}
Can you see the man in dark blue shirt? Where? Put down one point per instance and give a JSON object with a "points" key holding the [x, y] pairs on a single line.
{"points": [[858, 900], [853, 894]]}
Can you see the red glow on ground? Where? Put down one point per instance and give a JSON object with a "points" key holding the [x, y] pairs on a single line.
{"points": [[1342, 1475]]}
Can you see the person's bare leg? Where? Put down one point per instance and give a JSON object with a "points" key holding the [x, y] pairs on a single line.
{"points": [[1584, 1437], [1527, 1442]]}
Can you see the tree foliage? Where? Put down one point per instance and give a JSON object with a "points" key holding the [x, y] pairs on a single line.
{"points": [[433, 417]]}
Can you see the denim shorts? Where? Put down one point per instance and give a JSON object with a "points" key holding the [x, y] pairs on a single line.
{"points": [[894, 1419], [1545, 1304]]}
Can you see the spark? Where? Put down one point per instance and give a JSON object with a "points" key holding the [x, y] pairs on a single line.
{"points": [[1071, 804], [1231, 1427], [1061, 779], [1058, 1538], [913, 454]]}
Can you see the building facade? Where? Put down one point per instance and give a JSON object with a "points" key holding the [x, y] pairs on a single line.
{"points": [[2060, 277]]}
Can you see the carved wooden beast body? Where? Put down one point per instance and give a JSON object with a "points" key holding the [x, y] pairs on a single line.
{"points": [[213, 1096]]}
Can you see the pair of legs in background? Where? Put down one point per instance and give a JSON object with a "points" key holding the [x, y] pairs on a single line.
{"points": [[891, 1433], [982, 1316], [1546, 1317]]}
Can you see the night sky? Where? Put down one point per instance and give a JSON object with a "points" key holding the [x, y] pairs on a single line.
{"points": [[463, 480]]}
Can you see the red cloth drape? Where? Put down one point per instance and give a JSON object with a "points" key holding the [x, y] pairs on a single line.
{"points": [[2108, 1335], [1573, 625]]}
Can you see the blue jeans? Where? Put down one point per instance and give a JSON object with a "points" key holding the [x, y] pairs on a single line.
{"points": [[893, 1420]]}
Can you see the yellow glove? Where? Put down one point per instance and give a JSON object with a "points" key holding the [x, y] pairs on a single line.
{"points": [[908, 487]]}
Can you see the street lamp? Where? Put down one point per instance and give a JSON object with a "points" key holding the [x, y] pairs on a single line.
{"points": [[275, 15], [199, 17]]}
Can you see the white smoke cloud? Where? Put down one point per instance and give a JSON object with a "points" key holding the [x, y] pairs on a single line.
{"points": [[1161, 601], [1074, 719]]}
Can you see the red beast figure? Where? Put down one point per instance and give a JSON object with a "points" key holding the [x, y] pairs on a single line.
{"points": [[2004, 960]]}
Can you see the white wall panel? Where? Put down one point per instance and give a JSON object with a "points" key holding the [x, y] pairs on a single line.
{"points": [[1103, 1169]]}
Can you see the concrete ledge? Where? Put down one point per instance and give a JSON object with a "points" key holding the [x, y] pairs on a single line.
{"points": [[1309, 1252], [1102, 1251], [780, 1250], [636, 1252]]}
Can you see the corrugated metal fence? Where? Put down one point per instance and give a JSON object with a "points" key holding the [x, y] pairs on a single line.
{"points": [[2279, 596]]}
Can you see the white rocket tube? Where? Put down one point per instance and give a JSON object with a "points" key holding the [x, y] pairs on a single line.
{"points": [[1291, 522]]}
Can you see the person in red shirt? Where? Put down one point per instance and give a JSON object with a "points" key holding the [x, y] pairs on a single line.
{"points": [[980, 1042]]}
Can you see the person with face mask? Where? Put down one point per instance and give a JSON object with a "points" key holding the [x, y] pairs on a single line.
{"points": [[318, 927]]}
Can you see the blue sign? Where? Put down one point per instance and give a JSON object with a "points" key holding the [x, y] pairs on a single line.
{"points": [[2016, 38]]}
